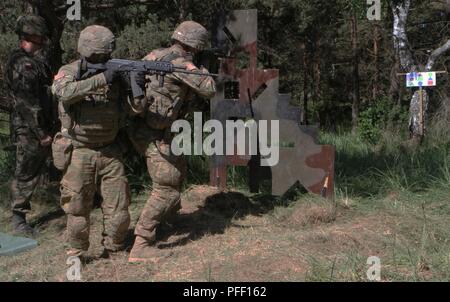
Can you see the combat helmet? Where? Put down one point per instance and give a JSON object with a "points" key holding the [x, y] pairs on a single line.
{"points": [[191, 34], [31, 25], [96, 39]]}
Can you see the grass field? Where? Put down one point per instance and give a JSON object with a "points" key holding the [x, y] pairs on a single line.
{"points": [[391, 202]]}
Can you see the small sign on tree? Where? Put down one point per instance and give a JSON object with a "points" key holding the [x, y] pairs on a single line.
{"points": [[421, 79]]}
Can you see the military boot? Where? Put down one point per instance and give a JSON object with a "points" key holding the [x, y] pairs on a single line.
{"points": [[109, 248], [85, 257], [20, 225], [145, 251]]}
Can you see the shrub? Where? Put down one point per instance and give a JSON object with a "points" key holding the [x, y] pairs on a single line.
{"points": [[135, 41], [380, 116]]}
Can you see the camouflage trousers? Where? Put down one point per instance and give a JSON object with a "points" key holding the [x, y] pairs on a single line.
{"points": [[166, 171], [31, 160], [92, 171]]}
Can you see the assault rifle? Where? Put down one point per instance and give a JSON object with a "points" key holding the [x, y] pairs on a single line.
{"points": [[160, 68]]}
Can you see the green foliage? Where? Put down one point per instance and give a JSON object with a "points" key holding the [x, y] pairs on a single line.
{"points": [[8, 41], [69, 41], [136, 41], [370, 123], [379, 117]]}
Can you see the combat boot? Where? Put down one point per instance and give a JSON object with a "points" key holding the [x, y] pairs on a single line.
{"points": [[20, 225], [144, 251], [84, 256], [111, 248]]}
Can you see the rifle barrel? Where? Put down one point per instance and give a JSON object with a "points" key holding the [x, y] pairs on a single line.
{"points": [[197, 73]]}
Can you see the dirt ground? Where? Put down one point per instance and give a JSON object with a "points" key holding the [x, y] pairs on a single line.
{"points": [[231, 237]]}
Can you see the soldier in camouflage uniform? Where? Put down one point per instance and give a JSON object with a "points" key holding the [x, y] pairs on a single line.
{"points": [[151, 136], [28, 79], [92, 110]]}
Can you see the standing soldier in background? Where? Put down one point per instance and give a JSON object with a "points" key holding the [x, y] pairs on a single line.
{"points": [[151, 136], [92, 110], [28, 79]]}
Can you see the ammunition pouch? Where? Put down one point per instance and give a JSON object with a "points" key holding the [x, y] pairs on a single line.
{"points": [[62, 148]]}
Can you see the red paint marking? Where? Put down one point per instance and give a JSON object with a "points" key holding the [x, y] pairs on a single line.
{"points": [[323, 160], [59, 76]]}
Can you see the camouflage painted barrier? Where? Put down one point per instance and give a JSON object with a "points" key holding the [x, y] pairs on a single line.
{"points": [[246, 92]]}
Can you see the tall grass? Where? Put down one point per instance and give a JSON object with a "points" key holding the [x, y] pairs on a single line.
{"points": [[364, 169]]}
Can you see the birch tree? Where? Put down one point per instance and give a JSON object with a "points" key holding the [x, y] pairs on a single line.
{"points": [[400, 11]]}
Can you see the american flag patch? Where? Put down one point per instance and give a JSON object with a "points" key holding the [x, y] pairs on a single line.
{"points": [[59, 76]]}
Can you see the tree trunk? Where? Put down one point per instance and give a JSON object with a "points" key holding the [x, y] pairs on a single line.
{"points": [[419, 106], [394, 89], [316, 74], [400, 11], [418, 114], [47, 11], [355, 74], [436, 54], [184, 10], [376, 59], [304, 55]]}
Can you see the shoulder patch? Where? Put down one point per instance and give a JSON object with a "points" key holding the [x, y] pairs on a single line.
{"points": [[59, 76], [150, 57]]}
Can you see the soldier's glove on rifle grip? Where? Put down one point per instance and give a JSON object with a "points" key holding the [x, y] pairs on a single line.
{"points": [[110, 74]]}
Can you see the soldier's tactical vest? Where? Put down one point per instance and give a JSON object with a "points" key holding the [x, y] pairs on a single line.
{"points": [[95, 121], [161, 113]]}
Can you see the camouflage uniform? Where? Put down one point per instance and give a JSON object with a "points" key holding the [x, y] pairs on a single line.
{"points": [[27, 80], [151, 137], [92, 113]]}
